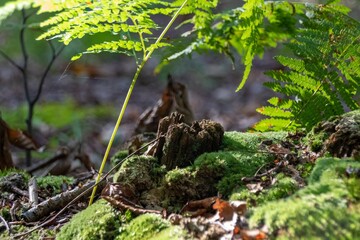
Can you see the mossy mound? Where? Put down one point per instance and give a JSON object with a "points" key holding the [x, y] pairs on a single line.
{"points": [[143, 227], [142, 172], [328, 208], [220, 172], [98, 221], [237, 141]]}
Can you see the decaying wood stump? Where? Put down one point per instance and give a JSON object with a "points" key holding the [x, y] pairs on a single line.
{"points": [[183, 143]]}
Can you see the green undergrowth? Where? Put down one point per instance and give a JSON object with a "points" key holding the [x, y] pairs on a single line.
{"points": [[98, 221], [54, 183], [143, 227], [8, 171], [328, 208]]}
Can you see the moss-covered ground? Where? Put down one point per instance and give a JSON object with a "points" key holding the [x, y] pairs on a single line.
{"points": [[327, 207]]}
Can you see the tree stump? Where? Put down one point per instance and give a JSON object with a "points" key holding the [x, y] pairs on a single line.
{"points": [[182, 143]]}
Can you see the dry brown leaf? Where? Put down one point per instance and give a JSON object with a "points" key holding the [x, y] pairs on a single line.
{"points": [[225, 210], [19, 138]]}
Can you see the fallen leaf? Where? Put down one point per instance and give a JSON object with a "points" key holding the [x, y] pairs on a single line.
{"points": [[19, 138], [224, 209]]}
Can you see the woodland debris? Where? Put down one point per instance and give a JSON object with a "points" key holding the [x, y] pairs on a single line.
{"points": [[183, 143], [57, 202], [14, 183], [174, 98], [33, 192]]}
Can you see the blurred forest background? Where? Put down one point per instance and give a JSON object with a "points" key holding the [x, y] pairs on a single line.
{"points": [[81, 100]]}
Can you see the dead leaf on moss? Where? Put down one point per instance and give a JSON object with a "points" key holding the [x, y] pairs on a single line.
{"points": [[225, 210]]}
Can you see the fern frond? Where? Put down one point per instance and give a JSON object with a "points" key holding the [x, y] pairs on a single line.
{"points": [[130, 20], [274, 124], [247, 30], [324, 77]]}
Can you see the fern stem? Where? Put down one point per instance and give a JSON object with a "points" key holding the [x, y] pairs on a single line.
{"points": [[127, 98], [141, 37]]}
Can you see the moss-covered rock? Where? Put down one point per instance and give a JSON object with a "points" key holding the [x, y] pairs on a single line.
{"points": [[339, 136], [219, 172], [237, 141], [98, 221], [325, 209], [142, 172]]}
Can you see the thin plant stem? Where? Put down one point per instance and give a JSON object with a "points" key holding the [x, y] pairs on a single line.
{"points": [[127, 98]]}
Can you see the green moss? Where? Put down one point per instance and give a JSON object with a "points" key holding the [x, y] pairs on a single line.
{"points": [[172, 232], [231, 166], [178, 176], [6, 172], [326, 209], [331, 167], [54, 182], [98, 221], [139, 171], [120, 155], [143, 227], [235, 141]]}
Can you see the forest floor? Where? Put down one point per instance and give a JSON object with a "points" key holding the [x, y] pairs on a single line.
{"points": [[238, 192]]}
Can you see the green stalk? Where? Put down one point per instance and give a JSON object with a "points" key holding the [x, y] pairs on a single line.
{"points": [[127, 98]]}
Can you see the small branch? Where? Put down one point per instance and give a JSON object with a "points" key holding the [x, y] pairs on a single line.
{"points": [[59, 201], [6, 224], [25, 54], [33, 192], [47, 69], [7, 57]]}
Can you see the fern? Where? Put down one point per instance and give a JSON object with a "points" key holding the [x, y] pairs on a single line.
{"points": [[323, 77], [131, 21], [248, 30]]}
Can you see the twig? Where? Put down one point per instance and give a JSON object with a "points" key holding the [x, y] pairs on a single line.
{"points": [[54, 203], [86, 191], [249, 179], [33, 192], [7, 57], [6, 224]]}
